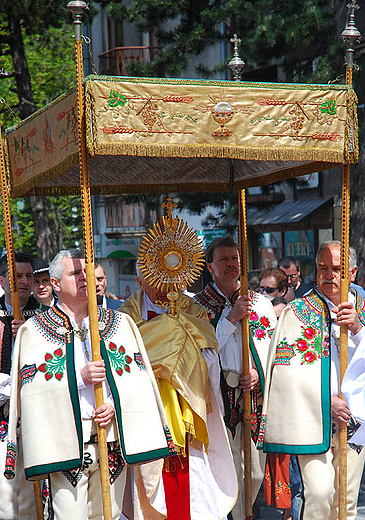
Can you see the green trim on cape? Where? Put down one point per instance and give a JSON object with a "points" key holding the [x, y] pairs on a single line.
{"points": [[257, 360], [74, 394], [43, 469], [138, 457]]}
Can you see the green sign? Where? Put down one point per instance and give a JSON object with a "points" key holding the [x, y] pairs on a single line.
{"points": [[208, 235]]}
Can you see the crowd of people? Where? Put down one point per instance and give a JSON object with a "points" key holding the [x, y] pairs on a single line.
{"points": [[173, 387]]}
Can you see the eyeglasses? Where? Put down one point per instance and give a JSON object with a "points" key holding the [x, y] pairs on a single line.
{"points": [[268, 290], [292, 276]]}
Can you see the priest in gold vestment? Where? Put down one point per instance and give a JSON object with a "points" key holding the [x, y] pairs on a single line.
{"points": [[200, 482]]}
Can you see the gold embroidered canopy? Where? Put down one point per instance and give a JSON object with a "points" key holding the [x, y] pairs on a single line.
{"points": [[147, 134]]}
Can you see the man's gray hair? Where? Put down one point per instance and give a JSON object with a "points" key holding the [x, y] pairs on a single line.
{"points": [[138, 270], [55, 268], [329, 243]]}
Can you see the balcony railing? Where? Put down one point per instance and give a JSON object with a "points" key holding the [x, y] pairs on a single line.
{"points": [[115, 61], [120, 216]]}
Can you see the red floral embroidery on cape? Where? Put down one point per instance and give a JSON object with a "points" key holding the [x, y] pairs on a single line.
{"points": [[55, 365], [259, 326], [308, 346], [119, 360]]}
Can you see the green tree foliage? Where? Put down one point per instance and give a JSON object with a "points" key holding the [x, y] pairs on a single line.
{"points": [[64, 212], [303, 38], [268, 29], [36, 53], [51, 65], [22, 227]]}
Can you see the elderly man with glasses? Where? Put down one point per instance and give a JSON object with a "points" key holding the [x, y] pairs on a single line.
{"points": [[291, 267], [225, 309]]}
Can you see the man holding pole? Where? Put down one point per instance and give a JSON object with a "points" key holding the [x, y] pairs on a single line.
{"points": [[226, 309], [302, 404], [54, 377]]}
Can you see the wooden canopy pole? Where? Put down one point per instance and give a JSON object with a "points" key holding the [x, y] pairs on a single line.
{"points": [[350, 36], [236, 65], [14, 285], [344, 290], [76, 7], [245, 358]]}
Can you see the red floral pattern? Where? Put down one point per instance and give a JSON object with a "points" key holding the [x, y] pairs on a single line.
{"points": [[258, 325], [119, 360], [308, 346], [55, 365]]}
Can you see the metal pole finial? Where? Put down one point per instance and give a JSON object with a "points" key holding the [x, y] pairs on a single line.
{"points": [[77, 8], [236, 64], [351, 34]]}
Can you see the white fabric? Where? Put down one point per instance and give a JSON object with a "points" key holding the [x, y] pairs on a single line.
{"points": [[212, 361], [229, 339], [353, 390], [320, 482], [16, 495], [86, 393], [258, 459], [84, 502], [212, 479], [213, 482], [353, 342], [230, 353]]}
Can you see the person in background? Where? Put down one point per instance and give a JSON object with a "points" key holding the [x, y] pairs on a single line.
{"points": [[291, 268], [42, 288], [274, 283], [17, 499], [279, 303], [254, 280], [104, 300]]}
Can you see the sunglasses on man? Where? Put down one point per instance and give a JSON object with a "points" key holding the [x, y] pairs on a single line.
{"points": [[268, 290]]}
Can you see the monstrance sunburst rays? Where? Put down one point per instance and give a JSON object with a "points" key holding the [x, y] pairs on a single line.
{"points": [[171, 254]]}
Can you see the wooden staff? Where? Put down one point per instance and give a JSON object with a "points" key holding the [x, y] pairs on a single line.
{"points": [[344, 295], [14, 285], [350, 36], [245, 358], [76, 7], [344, 291]]}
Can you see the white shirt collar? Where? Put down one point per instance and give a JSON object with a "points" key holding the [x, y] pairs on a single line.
{"points": [[331, 305]]}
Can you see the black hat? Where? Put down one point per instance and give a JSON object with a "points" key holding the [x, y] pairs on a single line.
{"points": [[40, 266]]}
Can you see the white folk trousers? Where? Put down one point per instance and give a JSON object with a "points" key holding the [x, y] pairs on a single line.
{"points": [[84, 500], [320, 482], [258, 459], [16, 495]]}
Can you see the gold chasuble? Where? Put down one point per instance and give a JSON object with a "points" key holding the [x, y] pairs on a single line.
{"points": [[173, 344]]}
